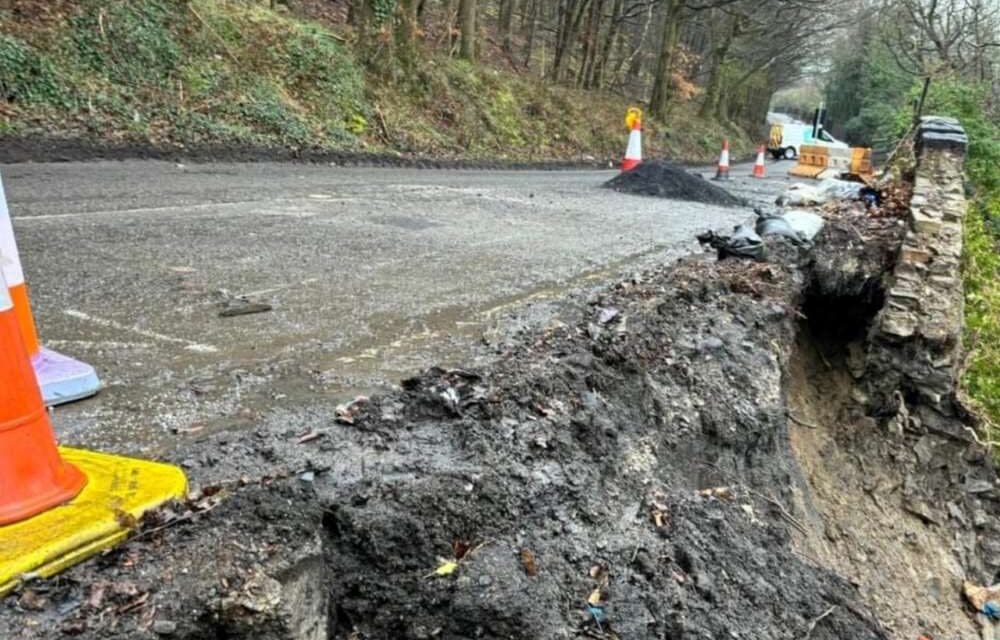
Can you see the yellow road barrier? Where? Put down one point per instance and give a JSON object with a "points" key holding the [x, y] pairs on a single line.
{"points": [[818, 161], [813, 160], [861, 163]]}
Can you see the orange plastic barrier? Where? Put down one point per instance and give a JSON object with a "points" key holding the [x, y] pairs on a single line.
{"points": [[861, 162], [813, 160]]}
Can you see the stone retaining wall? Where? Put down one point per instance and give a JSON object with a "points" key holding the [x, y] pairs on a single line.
{"points": [[915, 343]]}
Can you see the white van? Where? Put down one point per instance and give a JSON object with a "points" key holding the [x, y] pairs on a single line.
{"points": [[785, 140]]}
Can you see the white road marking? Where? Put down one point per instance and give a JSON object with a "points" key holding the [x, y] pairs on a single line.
{"points": [[187, 207], [97, 344], [111, 324]]}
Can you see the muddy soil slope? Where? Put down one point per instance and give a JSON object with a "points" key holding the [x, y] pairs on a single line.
{"points": [[629, 472]]}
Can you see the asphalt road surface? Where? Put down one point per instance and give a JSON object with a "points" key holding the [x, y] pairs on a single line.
{"points": [[372, 274]]}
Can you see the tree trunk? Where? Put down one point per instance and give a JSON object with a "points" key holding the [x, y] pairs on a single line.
{"points": [[572, 18], [597, 78], [524, 11], [532, 25], [590, 42], [717, 59], [659, 101], [506, 20], [467, 28], [565, 18], [406, 32]]}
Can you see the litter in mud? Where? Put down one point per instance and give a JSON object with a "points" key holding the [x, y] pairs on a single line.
{"points": [[806, 195], [985, 600], [798, 226], [746, 241], [668, 180]]}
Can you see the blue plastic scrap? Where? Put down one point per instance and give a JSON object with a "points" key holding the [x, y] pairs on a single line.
{"points": [[992, 610], [598, 613]]}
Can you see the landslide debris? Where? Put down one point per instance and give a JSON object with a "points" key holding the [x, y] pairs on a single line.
{"points": [[623, 475], [668, 180], [659, 464]]}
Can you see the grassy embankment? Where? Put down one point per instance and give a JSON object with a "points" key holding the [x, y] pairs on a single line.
{"points": [[211, 72]]}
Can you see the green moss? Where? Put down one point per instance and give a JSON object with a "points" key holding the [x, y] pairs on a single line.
{"points": [[27, 75], [264, 109], [130, 42]]}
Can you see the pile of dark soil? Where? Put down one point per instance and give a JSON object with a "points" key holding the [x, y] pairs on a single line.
{"points": [[668, 180]]}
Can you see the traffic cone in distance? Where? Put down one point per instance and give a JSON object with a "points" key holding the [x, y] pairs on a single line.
{"points": [[758, 167], [61, 378], [723, 171], [633, 152], [33, 476]]}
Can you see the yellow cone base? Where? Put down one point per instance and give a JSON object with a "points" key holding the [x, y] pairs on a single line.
{"points": [[117, 488]]}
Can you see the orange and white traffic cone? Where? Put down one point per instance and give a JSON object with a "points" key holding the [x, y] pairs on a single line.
{"points": [[61, 378], [758, 167], [59, 506], [723, 171], [633, 153], [33, 476]]}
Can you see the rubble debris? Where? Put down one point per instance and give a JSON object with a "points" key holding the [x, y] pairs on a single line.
{"points": [[668, 180], [985, 600], [347, 413], [800, 194], [242, 306]]}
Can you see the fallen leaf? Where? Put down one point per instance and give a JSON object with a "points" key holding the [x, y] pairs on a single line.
{"points": [[528, 562], [460, 548], [74, 628], [717, 492], [446, 568], [31, 601], [125, 519], [96, 597]]}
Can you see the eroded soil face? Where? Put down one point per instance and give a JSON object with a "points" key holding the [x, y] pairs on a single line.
{"points": [[667, 460]]}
